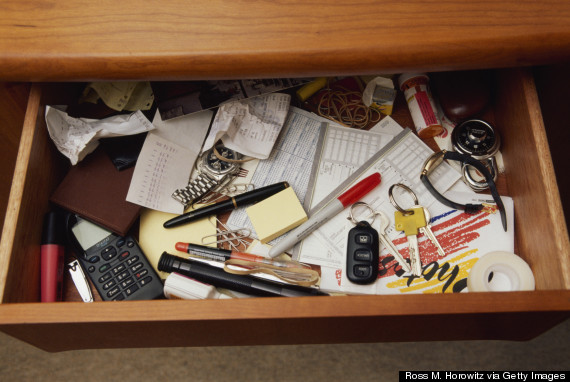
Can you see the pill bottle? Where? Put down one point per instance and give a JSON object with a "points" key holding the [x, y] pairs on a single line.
{"points": [[420, 102]]}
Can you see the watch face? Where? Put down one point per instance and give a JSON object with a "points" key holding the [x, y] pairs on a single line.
{"points": [[476, 138], [217, 165]]}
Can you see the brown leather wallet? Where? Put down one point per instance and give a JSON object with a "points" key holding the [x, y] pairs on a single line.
{"points": [[95, 190]]}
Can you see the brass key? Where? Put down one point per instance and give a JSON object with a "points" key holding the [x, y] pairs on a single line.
{"points": [[410, 222]]}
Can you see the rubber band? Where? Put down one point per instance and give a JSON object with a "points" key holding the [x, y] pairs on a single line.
{"points": [[297, 276], [345, 107]]}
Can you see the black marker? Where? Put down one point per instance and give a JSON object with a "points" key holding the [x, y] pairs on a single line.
{"points": [[234, 202], [218, 277]]}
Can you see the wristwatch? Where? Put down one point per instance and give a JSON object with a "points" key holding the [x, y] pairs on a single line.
{"points": [[481, 141], [435, 160], [216, 167]]}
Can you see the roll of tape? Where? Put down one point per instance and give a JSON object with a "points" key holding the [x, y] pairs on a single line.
{"points": [[500, 272]]}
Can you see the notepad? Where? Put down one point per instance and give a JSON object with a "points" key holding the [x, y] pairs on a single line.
{"points": [[276, 215]]}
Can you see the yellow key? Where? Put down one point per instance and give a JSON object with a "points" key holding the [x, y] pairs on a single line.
{"points": [[410, 223]]}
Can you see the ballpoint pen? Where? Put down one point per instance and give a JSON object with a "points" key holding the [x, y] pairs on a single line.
{"points": [[220, 254], [332, 208], [234, 202]]}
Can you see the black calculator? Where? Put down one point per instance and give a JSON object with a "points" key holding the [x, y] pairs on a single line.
{"points": [[115, 264]]}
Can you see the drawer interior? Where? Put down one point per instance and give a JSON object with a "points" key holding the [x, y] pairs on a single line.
{"points": [[540, 229]]}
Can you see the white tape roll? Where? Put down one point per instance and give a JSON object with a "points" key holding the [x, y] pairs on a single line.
{"points": [[500, 272]]}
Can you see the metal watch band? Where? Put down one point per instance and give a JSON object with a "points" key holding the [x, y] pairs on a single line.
{"points": [[195, 189]]}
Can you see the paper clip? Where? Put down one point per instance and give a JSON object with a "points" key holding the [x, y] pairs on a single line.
{"points": [[228, 191], [228, 235], [236, 235]]}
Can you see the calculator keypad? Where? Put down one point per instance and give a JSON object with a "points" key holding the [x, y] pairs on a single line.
{"points": [[119, 272]]}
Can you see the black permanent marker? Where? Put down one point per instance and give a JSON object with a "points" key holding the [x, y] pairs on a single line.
{"points": [[219, 278]]}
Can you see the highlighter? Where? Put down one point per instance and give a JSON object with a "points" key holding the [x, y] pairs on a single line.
{"points": [[52, 257]]}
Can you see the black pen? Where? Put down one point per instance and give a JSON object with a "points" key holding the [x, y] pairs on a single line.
{"points": [[218, 277], [233, 202]]}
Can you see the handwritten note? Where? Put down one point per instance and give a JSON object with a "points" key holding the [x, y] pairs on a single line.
{"points": [[166, 160], [157, 173]]}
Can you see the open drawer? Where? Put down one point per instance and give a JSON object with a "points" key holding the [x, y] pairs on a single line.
{"points": [[540, 232]]}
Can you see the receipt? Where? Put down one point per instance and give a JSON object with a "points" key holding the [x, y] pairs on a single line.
{"points": [[250, 126], [77, 137], [121, 95]]}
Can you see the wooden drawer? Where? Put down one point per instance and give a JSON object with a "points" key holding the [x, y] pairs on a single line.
{"points": [[540, 232]]}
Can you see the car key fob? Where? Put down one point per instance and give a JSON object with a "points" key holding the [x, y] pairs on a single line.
{"points": [[362, 254]]}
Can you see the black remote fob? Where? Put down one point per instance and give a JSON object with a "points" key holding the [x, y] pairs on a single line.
{"points": [[362, 254]]}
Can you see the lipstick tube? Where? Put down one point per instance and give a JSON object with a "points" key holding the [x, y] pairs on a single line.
{"points": [[52, 257]]}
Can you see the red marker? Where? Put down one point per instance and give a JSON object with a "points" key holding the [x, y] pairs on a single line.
{"points": [[331, 209], [222, 255], [52, 257]]}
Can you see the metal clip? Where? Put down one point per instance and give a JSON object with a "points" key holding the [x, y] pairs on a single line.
{"points": [[228, 191], [237, 188], [232, 237], [395, 204], [80, 281], [365, 205]]}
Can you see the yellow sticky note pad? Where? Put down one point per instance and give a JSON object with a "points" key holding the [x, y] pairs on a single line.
{"points": [[155, 239], [276, 215]]}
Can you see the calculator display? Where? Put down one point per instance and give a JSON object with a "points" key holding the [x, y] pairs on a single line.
{"points": [[88, 234]]}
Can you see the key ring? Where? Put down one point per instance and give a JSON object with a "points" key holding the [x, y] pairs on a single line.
{"points": [[396, 205], [358, 204]]}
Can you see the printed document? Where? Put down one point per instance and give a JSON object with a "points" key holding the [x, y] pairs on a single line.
{"points": [[291, 159], [341, 152], [399, 162]]}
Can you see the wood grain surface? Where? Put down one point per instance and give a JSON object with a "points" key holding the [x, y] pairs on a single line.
{"points": [[540, 227], [282, 320], [14, 98], [44, 40]]}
